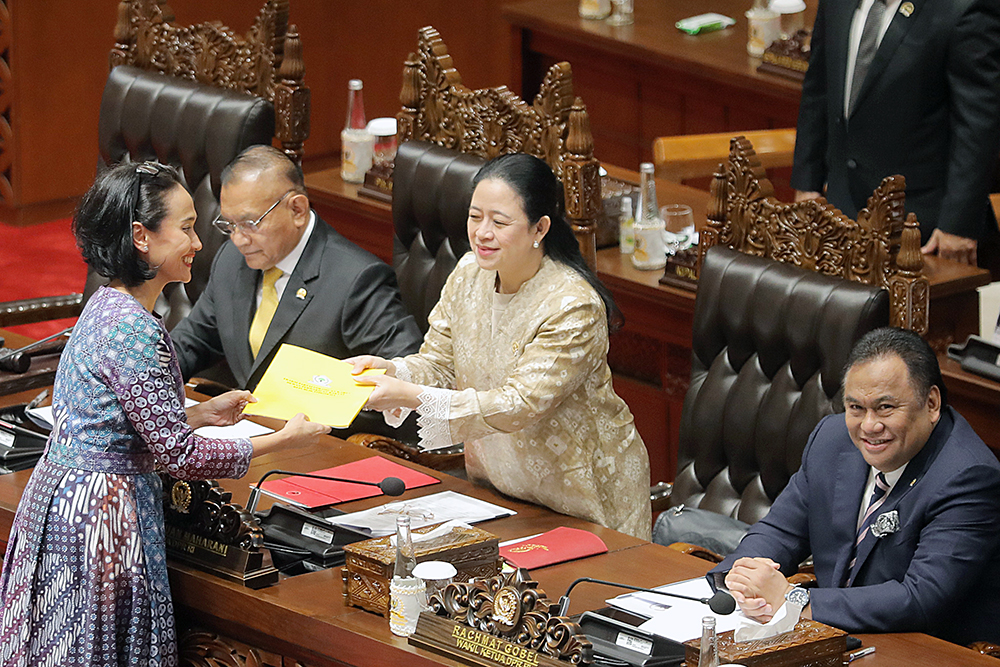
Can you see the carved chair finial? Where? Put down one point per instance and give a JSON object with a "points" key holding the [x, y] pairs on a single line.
{"points": [[555, 127]]}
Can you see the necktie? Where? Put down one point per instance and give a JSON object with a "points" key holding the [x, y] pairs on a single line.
{"points": [[265, 311], [866, 49], [878, 497]]}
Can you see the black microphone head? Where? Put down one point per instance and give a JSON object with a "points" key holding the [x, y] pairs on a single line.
{"points": [[722, 603], [392, 486]]}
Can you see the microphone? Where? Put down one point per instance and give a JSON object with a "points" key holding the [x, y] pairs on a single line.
{"points": [[720, 603], [390, 486], [19, 361]]}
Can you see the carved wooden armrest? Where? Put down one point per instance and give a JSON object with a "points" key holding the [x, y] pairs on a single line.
{"points": [[434, 460], [986, 648], [804, 579], [208, 387], [695, 550], [41, 309]]}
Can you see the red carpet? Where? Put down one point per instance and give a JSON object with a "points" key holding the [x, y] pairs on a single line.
{"points": [[40, 260]]}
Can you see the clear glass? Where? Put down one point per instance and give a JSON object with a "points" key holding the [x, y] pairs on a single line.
{"points": [[708, 654], [626, 227], [621, 13], [594, 9], [406, 558]]}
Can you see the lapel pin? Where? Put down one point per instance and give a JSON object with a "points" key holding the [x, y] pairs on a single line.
{"points": [[301, 294], [906, 9]]}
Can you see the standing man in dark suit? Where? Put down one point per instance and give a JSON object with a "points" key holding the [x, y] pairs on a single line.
{"points": [[897, 500], [907, 87], [287, 277]]}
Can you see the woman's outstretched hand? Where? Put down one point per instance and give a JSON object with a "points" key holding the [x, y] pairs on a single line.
{"points": [[223, 410], [390, 393], [366, 361]]}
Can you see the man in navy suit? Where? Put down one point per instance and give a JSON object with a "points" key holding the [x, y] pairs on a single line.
{"points": [[925, 107], [898, 501]]}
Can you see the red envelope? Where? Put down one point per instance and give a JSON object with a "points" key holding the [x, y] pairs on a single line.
{"points": [[556, 546], [313, 493]]}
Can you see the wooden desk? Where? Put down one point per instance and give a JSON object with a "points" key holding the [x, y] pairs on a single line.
{"points": [[650, 79], [304, 621], [651, 355]]}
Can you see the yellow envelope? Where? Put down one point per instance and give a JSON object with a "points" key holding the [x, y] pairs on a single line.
{"points": [[300, 380]]}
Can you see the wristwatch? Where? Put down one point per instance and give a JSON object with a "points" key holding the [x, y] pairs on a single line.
{"points": [[798, 596]]}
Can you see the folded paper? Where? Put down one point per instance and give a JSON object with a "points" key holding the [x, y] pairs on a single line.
{"points": [[300, 380]]}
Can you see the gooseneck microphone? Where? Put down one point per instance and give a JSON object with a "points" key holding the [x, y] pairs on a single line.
{"points": [[390, 486], [721, 603]]}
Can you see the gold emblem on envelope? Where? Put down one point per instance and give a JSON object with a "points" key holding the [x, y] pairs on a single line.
{"points": [[906, 9]]}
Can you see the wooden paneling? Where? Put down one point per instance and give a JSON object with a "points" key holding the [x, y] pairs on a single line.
{"points": [[59, 58]]}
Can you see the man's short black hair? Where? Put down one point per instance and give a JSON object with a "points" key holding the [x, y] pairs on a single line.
{"points": [[920, 360]]}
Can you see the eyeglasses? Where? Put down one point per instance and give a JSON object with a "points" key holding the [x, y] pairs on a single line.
{"points": [[246, 226], [148, 168]]}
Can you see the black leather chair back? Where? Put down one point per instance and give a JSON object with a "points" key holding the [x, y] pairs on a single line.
{"points": [[196, 128], [770, 344], [431, 191]]}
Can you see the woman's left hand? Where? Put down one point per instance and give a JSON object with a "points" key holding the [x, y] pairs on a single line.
{"points": [[223, 410], [390, 393]]}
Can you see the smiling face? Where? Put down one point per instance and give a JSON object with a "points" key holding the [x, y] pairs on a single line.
{"points": [[501, 235], [171, 248], [247, 198], [888, 421]]}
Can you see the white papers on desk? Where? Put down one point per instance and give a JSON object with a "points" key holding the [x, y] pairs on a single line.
{"points": [[673, 618], [241, 429], [435, 508]]}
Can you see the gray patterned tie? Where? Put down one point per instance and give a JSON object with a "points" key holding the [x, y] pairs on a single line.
{"points": [[866, 50]]}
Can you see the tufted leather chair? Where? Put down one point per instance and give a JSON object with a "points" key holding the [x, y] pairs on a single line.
{"points": [[770, 344], [196, 128], [431, 191]]}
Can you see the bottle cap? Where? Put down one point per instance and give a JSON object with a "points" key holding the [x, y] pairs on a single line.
{"points": [[626, 206], [787, 6], [646, 167], [357, 84]]}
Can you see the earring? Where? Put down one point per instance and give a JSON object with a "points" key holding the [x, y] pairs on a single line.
{"points": [[535, 244], [144, 248]]}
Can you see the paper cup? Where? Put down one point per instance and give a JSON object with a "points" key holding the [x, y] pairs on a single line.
{"points": [[406, 601]]}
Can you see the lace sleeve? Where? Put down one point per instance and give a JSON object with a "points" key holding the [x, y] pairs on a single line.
{"points": [[432, 418]]}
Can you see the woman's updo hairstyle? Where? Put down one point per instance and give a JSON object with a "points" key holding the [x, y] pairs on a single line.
{"points": [[103, 220], [541, 194]]}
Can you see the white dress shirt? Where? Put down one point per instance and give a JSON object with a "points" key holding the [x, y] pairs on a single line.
{"points": [[288, 262]]}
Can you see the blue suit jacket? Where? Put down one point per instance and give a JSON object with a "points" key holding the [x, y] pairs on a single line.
{"points": [[939, 573]]}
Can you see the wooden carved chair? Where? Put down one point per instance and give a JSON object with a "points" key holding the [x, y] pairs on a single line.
{"points": [[193, 97], [489, 122], [446, 131], [681, 157], [880, 248]]}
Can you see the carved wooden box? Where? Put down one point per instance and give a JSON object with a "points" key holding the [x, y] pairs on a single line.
{"points": [[369, 564], [810, 644]]}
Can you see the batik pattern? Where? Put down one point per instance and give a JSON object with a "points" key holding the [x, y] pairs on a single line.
{"points": [[84, 581]]}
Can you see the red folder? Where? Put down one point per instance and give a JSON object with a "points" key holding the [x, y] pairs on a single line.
{"points": [[556, 546], [313, 493]]}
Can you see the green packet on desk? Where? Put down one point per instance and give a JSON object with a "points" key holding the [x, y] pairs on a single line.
{"points": [[704, 23]]}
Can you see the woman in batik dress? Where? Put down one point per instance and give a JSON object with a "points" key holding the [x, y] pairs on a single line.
{"points": [[514, 363], [84, 580]]}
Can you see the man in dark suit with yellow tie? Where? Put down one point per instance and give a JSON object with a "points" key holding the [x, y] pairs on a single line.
{"points": [[287, 277], [907, 87], [897, 500]]}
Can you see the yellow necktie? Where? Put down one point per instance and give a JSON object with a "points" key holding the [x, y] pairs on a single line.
{"points": [[268, 304]]}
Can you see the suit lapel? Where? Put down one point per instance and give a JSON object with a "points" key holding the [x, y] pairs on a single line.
{"points": [[852, 474], [838, 34], [898, 27], [915, 470], [295, 297], [243, 308]]}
